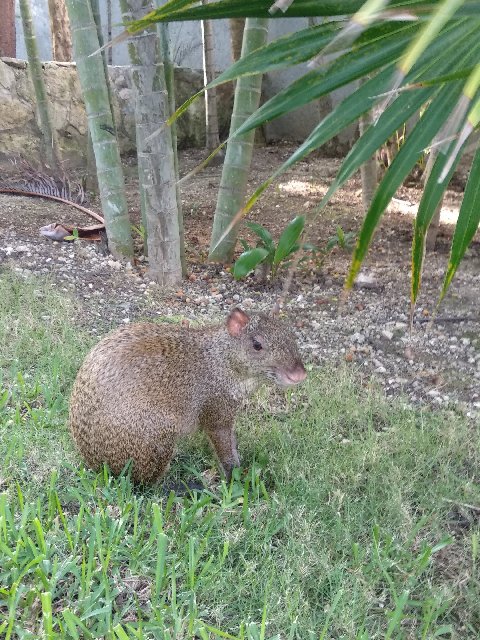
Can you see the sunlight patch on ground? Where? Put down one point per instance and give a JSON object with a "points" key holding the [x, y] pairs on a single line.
{"points": [[448, 215], [302, 188]]}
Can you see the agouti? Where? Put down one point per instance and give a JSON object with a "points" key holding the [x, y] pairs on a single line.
{"points": [[145, 385]]}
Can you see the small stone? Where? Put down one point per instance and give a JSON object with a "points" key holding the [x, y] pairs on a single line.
{"points": [[358, 337], [366, 281], [387, 334]]}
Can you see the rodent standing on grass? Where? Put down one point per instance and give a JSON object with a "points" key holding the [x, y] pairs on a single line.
{"points": [[145, 385]]}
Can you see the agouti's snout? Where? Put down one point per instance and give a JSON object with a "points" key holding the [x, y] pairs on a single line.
{"points": [[294, 375]]}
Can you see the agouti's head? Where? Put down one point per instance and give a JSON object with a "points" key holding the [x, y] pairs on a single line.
{"points": [[265, 347]]}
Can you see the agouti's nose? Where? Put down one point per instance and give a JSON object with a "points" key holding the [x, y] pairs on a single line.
{"points": [[297, 374]]}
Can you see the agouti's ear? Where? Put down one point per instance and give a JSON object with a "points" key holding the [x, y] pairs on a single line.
{"points": [[236, 322]]}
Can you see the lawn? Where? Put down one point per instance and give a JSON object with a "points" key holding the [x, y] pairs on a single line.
{"points": [[350, 518]]}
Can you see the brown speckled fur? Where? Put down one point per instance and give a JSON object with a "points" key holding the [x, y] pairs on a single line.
{"points": [[146, 384]]}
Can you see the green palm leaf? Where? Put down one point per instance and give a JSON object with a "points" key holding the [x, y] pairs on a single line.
{"points": [[431, 198], [467, 224], [420, 137], [445, 51]]}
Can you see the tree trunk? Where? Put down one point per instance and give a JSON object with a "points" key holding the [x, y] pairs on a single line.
{"points": [[100, 122], [155, 158], [166, 56], [211, 116], [60, 31], [237, 26], [36, 74], [236, 168], [368, 170], [109, 32], [434, 227], [8, 47]]}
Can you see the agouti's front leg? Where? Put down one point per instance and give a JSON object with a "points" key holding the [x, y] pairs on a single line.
{"points": [[219, 427], [225, 444]]}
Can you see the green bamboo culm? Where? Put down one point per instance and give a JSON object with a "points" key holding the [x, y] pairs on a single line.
{"points": [[100, 123], [156, 169], [238, 157], [98, 23], [170, 82], [36, 75]]}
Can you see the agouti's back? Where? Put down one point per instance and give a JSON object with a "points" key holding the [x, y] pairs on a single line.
{"points": [[146, 384]]}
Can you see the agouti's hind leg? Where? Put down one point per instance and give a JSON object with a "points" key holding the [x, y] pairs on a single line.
{"points": [[152, 460]]}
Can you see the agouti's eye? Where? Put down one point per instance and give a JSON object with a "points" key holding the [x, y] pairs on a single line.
{"points": [[257, 345]]}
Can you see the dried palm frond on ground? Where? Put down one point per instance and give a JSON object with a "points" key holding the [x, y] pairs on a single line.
{"points": [[30, 181]]}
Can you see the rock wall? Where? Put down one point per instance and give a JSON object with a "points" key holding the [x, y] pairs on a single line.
{"points": [[19, 132]]}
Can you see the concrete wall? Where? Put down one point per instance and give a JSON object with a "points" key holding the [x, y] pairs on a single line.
{"points": [[186, 47]]}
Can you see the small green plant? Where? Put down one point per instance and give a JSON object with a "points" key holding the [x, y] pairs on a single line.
{"points": [[140, 231], [342, 240], [266, 252], [74, 235], [345, 241]]}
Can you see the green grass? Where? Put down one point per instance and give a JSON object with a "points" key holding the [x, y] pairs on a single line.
{"points": [[340, 526]]}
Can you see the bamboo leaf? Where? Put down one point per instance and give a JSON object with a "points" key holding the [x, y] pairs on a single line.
{"points": [[402, 164], [467, 224], [248, 261], [288, 239]]}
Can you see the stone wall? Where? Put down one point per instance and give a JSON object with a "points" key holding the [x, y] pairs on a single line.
{"points": [[19, 132]]}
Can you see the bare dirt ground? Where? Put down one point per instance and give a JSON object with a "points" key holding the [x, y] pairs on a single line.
{"points": [[438, 362]]}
